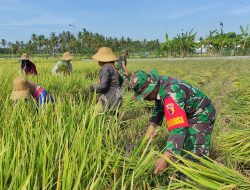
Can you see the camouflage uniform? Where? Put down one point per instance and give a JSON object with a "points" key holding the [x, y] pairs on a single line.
{"points": [[120, 69], [189, 113]]}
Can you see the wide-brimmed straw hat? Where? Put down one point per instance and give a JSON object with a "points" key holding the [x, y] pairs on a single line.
{"points": [[67, 56], [25, 56], [21, 89], [143, 84], [105, 54]]}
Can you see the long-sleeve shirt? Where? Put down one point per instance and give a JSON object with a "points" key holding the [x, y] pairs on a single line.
{"points": [[118, 63], [42, 96], [28, 67], [176, 95], [109, 86], [62, 67], [183, 106]]}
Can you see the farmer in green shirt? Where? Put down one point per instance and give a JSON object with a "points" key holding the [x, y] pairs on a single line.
{"points": [[63, 67], [121, 65], [189, 114]]}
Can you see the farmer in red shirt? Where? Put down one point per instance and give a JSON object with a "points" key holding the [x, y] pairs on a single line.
{"points": [[26, 65]]}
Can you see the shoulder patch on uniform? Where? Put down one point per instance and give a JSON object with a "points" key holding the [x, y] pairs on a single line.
{"points": [[170, 108]]}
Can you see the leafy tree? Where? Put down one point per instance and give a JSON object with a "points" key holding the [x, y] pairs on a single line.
{"points": [[244, 37], [53, 42], [3, 42]]}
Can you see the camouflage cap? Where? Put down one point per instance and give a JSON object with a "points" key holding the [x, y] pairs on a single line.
{"points": [[143, 84], [125, 51]]}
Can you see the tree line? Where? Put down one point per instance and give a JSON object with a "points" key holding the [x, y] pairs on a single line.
{"points": [[216, 43], [84, 43], [185, 44]]}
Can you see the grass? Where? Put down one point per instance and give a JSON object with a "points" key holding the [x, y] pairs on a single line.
{"points": [[69, 145]]}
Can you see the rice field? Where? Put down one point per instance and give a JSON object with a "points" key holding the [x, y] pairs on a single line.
{"points": [[69, 145]]}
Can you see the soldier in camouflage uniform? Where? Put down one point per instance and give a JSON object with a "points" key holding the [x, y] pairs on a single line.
{"points": [[189, 114], [121, 66]]}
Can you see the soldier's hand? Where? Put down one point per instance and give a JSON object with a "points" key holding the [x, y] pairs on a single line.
{"points": [[161, 164], [151, 131]]}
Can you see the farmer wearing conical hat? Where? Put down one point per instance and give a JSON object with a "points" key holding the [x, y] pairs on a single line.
{"points": [[109, 89], [27, 67], [121, 65], [189, 114], [64, 67], [24, 90]]}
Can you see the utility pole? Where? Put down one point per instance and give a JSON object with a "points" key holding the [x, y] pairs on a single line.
{"points": [[73, 31], [221, 27], [73, 28]]}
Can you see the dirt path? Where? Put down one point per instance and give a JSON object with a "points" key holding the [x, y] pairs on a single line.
{"points": [[193, 58]]}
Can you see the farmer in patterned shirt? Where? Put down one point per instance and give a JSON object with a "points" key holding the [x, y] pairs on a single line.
{"points": [[24, 90], [63, 67], [109, 87], [27, 67], [121, 65], [189, 114]]}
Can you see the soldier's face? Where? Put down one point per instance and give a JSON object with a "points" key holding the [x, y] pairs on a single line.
{"points": [[151, 97]]}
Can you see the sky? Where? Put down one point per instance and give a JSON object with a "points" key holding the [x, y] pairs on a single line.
{"points": [[137, 19]]}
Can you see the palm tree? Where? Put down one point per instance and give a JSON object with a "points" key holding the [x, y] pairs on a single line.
{"points": [[40, 42], [64, 39], [34, 41], [3, 42], [53, 40]]}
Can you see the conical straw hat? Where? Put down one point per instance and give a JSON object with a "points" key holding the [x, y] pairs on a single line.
{"points": [[21, 89], [105, 54], [67, 56], [25, 56]]}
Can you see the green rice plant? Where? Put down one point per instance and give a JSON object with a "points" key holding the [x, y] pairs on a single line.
{"points": [[235, 146], [206, 174], [69, 145]]}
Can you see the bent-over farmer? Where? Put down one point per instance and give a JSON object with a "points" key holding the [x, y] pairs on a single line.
{"points": [[64, 67], [24, 90], [26, 65], [189, 114], [109, 88]]}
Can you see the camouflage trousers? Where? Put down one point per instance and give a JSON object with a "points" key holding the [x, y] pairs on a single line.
{"points": [[196, 139]]}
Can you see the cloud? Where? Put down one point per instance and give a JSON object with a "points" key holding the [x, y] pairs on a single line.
{"points": [[182, 14], [16, 7], [38, 21], [239, 11], [7, 8]]}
